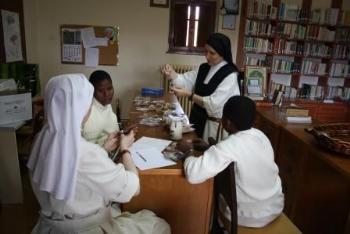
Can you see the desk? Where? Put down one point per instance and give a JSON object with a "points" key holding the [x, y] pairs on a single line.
{"points": [[166, 192], [10, 177], [316, 182]]}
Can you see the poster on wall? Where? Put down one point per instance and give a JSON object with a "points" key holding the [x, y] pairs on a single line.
{"points": [[72, 49], [12, 36]]}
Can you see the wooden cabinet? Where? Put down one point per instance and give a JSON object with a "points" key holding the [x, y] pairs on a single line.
{"points": [[331, 113], [327, 112], [290, 163], [315, 182], [311, 106]]}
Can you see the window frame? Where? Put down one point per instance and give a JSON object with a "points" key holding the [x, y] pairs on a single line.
{"points": [[184, 49]]}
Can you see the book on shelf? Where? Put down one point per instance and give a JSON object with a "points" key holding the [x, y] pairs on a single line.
{"points": [[299, 119], [256, 97], [296, 111]]}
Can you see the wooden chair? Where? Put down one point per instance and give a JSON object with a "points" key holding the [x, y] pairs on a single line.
{"points": [[224, 184]]}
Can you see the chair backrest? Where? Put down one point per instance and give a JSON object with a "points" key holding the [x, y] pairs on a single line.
{"points": [[225, 184], [219, 132], [240, 80], [185, 103]]}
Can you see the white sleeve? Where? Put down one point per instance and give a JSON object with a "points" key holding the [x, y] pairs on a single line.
{"points": [[212, 162], [186, 80], [226, 89], [111, 180]]}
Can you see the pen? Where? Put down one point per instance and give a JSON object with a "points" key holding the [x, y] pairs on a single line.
{"points": [[143, 158]]}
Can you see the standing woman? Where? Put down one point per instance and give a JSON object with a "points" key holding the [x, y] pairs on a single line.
{"points": [[73, 179], [210, 86]]}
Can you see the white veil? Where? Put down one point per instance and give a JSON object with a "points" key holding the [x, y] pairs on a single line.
{"points": [[54, 158]]}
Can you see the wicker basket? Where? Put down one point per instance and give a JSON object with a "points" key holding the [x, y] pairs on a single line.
{"points": [[335, 137]]}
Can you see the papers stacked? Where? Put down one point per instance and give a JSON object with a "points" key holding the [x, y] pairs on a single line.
{"points": [[147, 153]]}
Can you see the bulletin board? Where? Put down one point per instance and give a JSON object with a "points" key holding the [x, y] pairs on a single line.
{"points": [[72, 48]]}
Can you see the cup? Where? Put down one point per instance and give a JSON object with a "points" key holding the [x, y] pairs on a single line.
{"points": [[176, 129]]}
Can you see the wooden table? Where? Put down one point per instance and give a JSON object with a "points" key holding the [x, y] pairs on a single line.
{"points": [[316, 182], [165, 191]]}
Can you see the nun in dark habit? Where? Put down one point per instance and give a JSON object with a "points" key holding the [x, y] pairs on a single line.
{"points": [[209, 87]]}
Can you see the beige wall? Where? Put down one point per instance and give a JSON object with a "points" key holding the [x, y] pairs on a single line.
{"points": [[142, 42]]}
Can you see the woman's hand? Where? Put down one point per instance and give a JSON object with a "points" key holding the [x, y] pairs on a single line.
{"points": [[200, 144], [181, 92], [127, 140], [112, 142], [184, 146], [169, 71]]}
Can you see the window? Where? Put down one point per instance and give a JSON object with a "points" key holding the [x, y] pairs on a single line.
{"points": [[191, 22]]}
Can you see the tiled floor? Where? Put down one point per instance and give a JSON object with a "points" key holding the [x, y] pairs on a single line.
{"points": [[20, 218]]}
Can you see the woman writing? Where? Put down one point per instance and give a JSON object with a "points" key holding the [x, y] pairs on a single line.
{"points": [[210, 86], [73, 179]]}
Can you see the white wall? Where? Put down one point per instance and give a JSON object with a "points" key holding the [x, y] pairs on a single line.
{"points": [[142, 42]]}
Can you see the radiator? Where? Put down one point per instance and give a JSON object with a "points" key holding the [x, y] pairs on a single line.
{"points": [[185, 103]]}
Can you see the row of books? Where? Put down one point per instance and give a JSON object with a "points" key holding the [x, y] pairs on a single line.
{"points": [[253, 27], [296, 114], [325, 16], [292, 31], [257, 60], [313, 67], [341, 51], [282, 46], [342, 35], [291, 12], [316, 32], [297, 31], [261, 9], [257, 45], [344, 18], [316, 49], [264, 9], [284, 65], [310, 92], [340, 69]]}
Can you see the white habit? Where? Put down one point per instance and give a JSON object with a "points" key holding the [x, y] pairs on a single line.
{"points": [[259, 193], [214, 103], [102, 121], [99, 181]]}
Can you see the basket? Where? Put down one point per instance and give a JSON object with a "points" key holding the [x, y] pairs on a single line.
{"points": [[335, 137]]}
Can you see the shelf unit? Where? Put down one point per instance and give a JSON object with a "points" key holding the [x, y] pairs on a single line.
{"points": [[289, 40]]}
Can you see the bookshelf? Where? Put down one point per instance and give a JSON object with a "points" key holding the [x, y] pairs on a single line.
{"points": [[305, 51]]}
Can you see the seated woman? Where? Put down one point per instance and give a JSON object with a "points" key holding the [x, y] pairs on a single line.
{"points": [[102, 121], [73, 179], [259, 193]]}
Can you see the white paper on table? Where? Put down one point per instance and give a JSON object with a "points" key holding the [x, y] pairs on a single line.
{"points": [[150, 142], [336, 82], [310, 80], [91, 57], [281, 79], [149, 158], [88, 37]]}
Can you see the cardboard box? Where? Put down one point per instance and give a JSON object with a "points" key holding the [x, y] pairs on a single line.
{"points": [[15, 108]]}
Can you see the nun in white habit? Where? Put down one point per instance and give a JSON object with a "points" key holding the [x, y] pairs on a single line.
{"points": [[74, 180]]}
